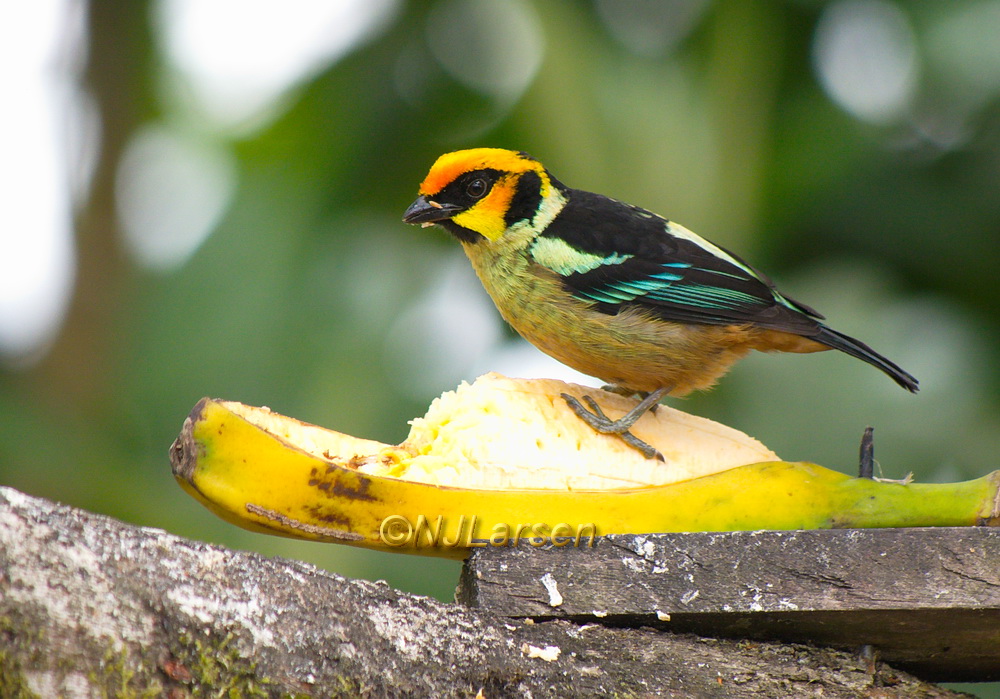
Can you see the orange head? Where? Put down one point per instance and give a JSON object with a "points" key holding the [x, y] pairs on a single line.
{"points": [[481, 192]]}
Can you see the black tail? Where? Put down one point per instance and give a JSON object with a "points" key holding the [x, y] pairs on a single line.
{"points": [[856, 348]]}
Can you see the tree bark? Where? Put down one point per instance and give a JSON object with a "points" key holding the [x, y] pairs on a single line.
{"points": [[90, 606], [75, 372]]}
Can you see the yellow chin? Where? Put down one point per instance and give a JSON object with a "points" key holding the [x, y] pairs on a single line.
{"points": [[485, 223]]}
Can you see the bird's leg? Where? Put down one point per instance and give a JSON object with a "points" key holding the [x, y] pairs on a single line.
{"points": [[596, 418], [611, 388]]}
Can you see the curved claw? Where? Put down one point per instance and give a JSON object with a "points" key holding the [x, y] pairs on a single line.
{"points": [[600, 422]]}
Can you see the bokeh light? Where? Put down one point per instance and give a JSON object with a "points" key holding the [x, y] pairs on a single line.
{"points": [[41, 169], [240, 58], [172, 191], [866, 58]]}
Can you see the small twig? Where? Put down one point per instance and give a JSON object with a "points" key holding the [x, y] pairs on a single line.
{"points": [[866, 467]]}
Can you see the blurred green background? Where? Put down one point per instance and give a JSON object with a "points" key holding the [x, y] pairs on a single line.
{"points": [[229, 179]]}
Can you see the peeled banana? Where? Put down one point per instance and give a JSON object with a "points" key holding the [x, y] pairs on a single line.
{"points": [[504, 461]]}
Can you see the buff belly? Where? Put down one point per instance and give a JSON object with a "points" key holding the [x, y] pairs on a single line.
{"points": [[630, 350], [634, 353]]}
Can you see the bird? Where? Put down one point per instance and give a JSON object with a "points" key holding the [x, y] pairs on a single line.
{"points": [[613, 290]]}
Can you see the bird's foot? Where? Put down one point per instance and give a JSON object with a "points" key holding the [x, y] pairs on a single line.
{"points": [[600, 422]]}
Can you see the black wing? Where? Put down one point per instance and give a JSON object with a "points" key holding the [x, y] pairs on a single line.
{"points": [[627, 256]]}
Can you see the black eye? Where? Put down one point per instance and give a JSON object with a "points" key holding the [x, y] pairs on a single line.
{"points": [[476, 188]]}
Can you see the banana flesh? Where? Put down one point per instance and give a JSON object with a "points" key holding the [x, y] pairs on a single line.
{"points": [[501, 433], [270, 473]]}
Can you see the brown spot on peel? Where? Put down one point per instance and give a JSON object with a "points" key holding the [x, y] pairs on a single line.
{"points": [[336, 487], [313, 529]]}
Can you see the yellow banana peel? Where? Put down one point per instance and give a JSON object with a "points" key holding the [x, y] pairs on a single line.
{"points": [[270, 473]]}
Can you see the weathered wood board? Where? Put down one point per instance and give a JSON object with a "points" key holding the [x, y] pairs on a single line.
{"points": [[926, 599]]}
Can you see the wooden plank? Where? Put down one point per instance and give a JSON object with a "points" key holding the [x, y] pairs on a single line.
{"points": [[926, 599]]}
